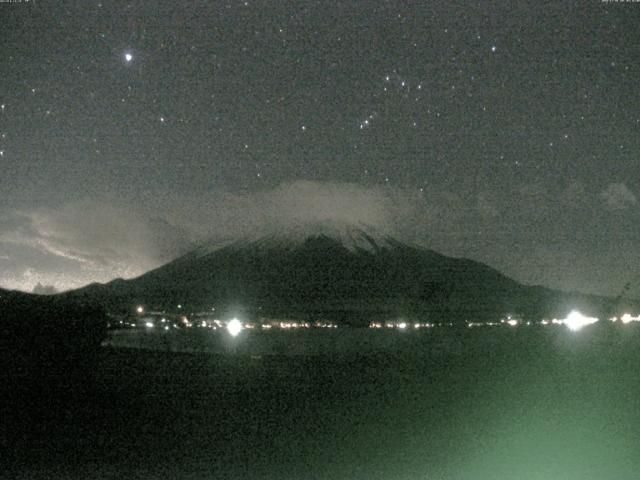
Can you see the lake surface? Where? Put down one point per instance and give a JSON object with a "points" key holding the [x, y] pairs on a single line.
{"points": [[457, 404]]}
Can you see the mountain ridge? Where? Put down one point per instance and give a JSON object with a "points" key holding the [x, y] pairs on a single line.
{"points": [[348, 273]]}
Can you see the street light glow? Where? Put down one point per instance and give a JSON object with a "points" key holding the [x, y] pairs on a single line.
{"points": [[234, 327], [575, 321], [627, 318]]}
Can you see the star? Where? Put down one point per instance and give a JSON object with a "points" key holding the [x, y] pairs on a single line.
{"points": [[128, 57]]}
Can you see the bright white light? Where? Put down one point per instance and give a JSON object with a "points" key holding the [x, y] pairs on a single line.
{"points": [[234, 327], [402, 325], [512, 322], [627, 318], [128, 57], [140, 309], [575, 321], [149, 324]]}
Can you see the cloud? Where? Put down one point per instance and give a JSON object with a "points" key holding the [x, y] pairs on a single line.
{"points": [[343, 202], [93, 234], [83, 241], [617, 196], [223, 214]]}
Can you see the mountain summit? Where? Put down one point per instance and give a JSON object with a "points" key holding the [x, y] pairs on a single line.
{"points": [[341, 272], [352, 236]]}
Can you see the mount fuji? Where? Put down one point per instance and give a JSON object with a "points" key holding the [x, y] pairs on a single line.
{"points": [[337, 271]]}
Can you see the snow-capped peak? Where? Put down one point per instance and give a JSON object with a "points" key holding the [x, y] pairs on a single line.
{"points": [[354, 237]]}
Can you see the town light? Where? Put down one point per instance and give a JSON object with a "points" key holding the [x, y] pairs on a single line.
{"points": [[575, 321], [234, 327], [627, 318]]}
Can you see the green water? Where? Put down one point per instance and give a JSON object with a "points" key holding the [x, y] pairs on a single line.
{"points": [[508, 404]]}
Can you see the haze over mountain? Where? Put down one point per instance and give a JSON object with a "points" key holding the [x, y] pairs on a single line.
{"points": [[336, 271]]}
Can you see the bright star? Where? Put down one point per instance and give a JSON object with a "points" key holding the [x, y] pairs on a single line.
{"points": [[128, 57]]}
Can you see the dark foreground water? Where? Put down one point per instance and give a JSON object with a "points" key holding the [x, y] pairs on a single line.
{"points": [[473, 404]]}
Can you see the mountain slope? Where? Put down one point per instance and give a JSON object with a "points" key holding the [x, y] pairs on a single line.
{"points": [[338, 272]]}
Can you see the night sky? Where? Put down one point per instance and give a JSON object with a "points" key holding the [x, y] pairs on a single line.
{"points": [[504, 132]]}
